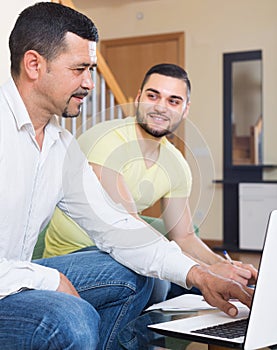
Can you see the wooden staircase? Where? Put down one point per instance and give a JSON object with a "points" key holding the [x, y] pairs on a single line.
{"points": [[246, 149], [241, 150]]}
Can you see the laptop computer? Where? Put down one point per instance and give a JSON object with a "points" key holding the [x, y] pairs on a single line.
{"points": [[260, 322]]}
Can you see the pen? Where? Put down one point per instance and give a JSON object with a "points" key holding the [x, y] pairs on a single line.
{"points": [[227, 256]]}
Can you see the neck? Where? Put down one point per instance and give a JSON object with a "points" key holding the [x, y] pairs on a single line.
{"points": [[37, 114], [149, 145]]}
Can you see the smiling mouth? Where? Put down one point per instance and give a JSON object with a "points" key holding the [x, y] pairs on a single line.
{"points": [[158, 118], [79, 98]]}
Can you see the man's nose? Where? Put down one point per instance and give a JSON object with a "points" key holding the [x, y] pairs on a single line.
{"points": [[87, 82], [161, 106]]}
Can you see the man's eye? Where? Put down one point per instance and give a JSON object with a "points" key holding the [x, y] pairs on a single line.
{"points": [[174, 102], [152, 96], [80, 69]]}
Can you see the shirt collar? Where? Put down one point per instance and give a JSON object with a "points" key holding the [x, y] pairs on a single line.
{"points": [[16, 104], [20, 112], [53, 127]]}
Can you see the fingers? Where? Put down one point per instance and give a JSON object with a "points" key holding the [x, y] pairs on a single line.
{"points": [[248, 267], [221, 299], [218, 300], [252, 271], [243, 281], [242, 273], [229, 309], [217, 290], [243, 294]]}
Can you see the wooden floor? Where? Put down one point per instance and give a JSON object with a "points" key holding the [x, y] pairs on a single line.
{"points": [[245, 257]]}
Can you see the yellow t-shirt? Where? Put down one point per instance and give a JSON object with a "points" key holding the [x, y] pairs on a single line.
{"points": [[114, 144]]}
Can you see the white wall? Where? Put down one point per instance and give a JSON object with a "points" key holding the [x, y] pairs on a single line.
{"points": [[10, 12]]}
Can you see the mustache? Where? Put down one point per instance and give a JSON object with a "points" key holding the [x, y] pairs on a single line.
{"points": [[80, 93]]}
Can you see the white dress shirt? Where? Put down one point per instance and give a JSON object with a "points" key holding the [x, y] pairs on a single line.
{"points": [[33, 181]]}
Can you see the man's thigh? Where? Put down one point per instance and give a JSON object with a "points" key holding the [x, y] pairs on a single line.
{"points": [[36, 319], [93, 273]]}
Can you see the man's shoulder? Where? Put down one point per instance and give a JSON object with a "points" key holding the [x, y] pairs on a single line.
{"points": [[113, 125], [107, 131], [169, 146], [173, 157]]}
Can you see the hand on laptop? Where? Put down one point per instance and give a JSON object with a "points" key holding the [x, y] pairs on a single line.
{"points": [[242, 273], [217, 290]]}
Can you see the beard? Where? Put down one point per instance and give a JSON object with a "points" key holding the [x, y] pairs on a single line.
{"points": [[66, 113], [153, 132]]}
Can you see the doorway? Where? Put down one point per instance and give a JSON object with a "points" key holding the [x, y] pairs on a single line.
{"points": [[130, 58]]}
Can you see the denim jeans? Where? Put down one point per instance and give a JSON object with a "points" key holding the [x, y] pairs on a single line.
{"points": [[111, 296], [160, 287], [159, 292]]}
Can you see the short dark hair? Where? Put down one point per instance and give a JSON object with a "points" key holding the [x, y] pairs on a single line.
{"points": [[170, 70], [42, 27]]}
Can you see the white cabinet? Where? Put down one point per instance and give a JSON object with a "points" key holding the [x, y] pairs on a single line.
{"points": [[256, 201]]}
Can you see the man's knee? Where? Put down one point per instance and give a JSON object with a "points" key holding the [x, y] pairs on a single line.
{"points": [[75, 325], [65, 322]]}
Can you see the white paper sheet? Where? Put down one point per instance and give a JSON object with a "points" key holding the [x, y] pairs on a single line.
{"points": [[186, 302]]}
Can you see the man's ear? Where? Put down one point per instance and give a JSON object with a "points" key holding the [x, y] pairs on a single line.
{"points": [[32, 61], [137, 98]]}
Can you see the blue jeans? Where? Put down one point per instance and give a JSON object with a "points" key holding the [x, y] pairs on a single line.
{"points": [[160, 287], [111, 296], [159, 292]]}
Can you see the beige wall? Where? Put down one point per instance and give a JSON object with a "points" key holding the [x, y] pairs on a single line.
{"points": [[212, 27]]}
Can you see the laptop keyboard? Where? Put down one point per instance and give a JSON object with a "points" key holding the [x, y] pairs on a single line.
{"points": [[228, 330]]}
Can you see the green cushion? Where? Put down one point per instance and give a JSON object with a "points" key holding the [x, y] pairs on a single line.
{"points": [[40, 245], [158, 224]]}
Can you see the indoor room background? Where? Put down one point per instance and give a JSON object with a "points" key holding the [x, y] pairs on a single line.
{"points": [[211, 28]]}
